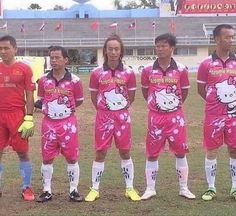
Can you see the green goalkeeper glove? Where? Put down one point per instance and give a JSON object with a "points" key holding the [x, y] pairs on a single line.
{"points": [[27, 127]]}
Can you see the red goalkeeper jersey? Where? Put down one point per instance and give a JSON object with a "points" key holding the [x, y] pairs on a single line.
{"points": [[15, 79]]}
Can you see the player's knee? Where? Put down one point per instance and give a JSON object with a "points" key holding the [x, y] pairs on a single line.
{"points": [[211, 154], [232, 152]]}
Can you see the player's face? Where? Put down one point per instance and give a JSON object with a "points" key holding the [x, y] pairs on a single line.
{"points": [[7, 52], [57, 60], [113, 51], [164, 50], [225, 40]]}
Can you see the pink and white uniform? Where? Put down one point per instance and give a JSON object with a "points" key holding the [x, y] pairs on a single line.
{"points": [[113, 118], [59, 125], [165, 120], [220, 110]]}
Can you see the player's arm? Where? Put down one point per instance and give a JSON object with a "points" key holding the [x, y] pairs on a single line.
{"points": [[131, 94], [29, 102], [145, 93], [94, 98], [184, 94], [201, 88], [78, 103]]}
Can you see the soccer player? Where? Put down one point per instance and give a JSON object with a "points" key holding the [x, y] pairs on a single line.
{"points": [[217, 86], [60, 93], [112, 86], [165, 87], [16, 110]]}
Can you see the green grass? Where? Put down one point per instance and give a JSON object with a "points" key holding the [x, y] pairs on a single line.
{"points": [[113, 201]]}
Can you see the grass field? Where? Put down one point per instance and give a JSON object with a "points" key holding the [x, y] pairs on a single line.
{"points": [[112, 200]]}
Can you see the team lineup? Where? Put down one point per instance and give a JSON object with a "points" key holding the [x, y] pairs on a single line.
{"points": [[112, 87]]}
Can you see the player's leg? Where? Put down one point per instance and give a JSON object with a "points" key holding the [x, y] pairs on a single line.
{"points": [[213, 139], [4, 136], [230, 140], [97, 172], [155, 140], [177, 136], [104, 128], [182, 171], [232, 164], [49, 150], [122, 137], [67, 136], [25, 167]]}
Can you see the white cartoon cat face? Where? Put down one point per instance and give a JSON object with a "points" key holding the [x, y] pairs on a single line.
{"points": [[225, 93], [58, 110], [167, 101], [115, 101]]}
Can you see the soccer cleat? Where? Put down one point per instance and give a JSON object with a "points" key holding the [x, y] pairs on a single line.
{"points": [[44, 197], [148, 194], [28, 194], [75, 197], [92, 195], [209, 194], [233, 193], [185, 192], [132, 194]]}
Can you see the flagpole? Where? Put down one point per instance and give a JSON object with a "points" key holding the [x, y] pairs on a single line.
{"points": [[24, 41], [62, 33], [135, 26], [98, 33]]}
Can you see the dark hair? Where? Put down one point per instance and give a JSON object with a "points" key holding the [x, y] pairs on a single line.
{"points": [[217, 29], [110, 38], [9, 38], [168, 38], [58, 48]]}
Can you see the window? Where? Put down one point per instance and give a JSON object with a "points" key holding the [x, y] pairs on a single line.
{"points": [[185, 51], [129, 52], [146, 51]]}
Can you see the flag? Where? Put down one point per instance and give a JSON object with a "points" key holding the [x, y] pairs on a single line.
{"points": [[58, 27], [94, 25], [42, 27], [113, 25], [4, 26], [132, 25], [172, 26], [22, 28]]}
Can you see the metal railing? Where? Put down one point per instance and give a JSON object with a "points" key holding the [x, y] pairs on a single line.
{"points": [[98, 42]]}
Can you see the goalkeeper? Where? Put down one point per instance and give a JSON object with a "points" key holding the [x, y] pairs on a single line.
{"points": [[16, 122]]}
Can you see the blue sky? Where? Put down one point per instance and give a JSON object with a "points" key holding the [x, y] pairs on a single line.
{"points": [[49, 4]]}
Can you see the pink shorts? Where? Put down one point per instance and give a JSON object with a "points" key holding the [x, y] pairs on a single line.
{"points": [[60, 136], [217, 130], [113, 123], [9, 135], [162, 127]]}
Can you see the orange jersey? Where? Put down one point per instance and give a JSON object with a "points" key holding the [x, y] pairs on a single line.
{"points": [[15, 79]]}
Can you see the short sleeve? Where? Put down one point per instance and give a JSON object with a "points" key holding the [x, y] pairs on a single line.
{"points": [[29, 83], [145, 78], [94, 82], [202, 73], [184, 81], [78, 91]]}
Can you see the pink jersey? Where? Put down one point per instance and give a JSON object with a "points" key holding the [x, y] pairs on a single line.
{"points": [[164, 87], [112, 87], [220, 80], [59, 97]]}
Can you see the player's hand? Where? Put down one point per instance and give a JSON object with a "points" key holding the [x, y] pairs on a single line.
{"points": [[27, 127]]}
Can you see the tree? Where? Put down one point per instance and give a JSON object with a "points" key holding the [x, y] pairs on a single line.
{"points": [[34, 6], [132, 4], [58, 8]]}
